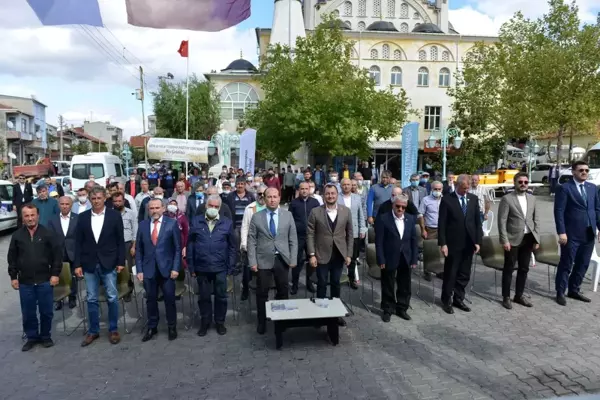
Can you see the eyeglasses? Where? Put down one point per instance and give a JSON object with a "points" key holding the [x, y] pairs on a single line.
{"points": [[586, 170], [261, 193], [399, 207], [523, 182]]}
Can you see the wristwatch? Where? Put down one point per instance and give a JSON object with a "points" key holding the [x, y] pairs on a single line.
{"points": [[312, 254]]}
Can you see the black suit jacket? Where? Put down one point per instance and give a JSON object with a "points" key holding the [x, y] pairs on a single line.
{"points": [[388, 244], [67, 242], [20, 198], [455, 229], [190, 209], [386, 207], [446, 188], [109, 252]]}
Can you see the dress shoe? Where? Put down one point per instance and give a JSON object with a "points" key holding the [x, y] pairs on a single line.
{"points": [[245, 293], [561, 300], [427, 276], [522, 301], [461, 305], [58, 306], [386, 317], [261, 328], [341, 322], [580, 297], [294, 289], [46, 343], [72, 303], [203, 330], [172, 333], [150, 332], [310, 287], [127, 298], [506, 303], [114, 337], [221, 330], [403, 314], [29, 345], [448, 308], [353, 285], [89, 339]]}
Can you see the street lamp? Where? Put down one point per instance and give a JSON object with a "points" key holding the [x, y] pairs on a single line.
{"points": [[224, 142], [444, 136], [532, 149]]}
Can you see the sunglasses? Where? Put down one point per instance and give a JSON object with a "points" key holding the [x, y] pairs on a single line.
{"points": [[523, 182], [261, 193], [586, 170], [400, 207]]}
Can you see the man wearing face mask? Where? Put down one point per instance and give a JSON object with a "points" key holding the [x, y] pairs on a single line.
{"points": [[47, 207], [184, 227], [82, 202], [224, 210], [429, 212], [271, 180], [424, 181], [127, 197], [378, 194], [335, 181], [362, 190], [180, 196], [250, 210], [158, 194], [153, 178], [130, 226], [194, 202], [415, 192], [168, 183], [226, 189], [311, 192], [132, 187], [144, 193]]}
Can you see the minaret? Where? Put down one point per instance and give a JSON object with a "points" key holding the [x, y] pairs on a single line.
{"points": [[442, 11], [288, 23]]}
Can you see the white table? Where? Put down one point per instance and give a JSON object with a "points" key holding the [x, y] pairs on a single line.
{"points": [[304, 312]]}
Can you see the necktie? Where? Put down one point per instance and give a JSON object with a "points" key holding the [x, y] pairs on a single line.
{"points": [[155, 233], [272, 225], [463, 205], [583, 193]]}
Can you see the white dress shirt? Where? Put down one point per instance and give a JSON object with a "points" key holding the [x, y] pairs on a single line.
{"points": [[64, 222], [318, 198], [22, 192], [348, 200], [523, 203], [98, 223], [332, 213], [157, 226], [399, 221]]}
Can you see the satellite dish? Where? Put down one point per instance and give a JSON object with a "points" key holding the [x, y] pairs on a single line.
{"points": [[10, 125], [12, 156]]}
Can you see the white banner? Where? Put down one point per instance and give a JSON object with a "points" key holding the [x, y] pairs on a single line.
{"points": [[165, 149], [248, 150]]}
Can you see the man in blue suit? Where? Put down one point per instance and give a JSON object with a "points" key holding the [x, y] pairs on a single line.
{"points": [[158, 262], [100, 256], [397, 252], [577, 216]]}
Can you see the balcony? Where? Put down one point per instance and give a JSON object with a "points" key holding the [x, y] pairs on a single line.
{"points": [[14, 135]]}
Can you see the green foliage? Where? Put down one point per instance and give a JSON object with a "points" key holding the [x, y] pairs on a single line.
{"points": [[474, 154], [170, 109], [82, 147], [316, 95]]}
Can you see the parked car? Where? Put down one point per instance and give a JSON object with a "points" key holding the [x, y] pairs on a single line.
{"points": [[8, 215], [539, 173], [101, 165]]}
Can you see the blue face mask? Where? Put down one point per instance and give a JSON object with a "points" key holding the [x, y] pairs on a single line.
{"points": [[414, 183], [199, 195], [423, 180]]}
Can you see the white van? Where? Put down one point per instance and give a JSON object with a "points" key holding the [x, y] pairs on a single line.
{"points": [[8, 214], [101, 165]]}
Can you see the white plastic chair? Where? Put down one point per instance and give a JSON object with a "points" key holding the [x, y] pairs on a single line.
{"points": [[488, 224]]}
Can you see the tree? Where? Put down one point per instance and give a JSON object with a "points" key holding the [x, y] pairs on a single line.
{"points": [[82, 147], [540, 77], [316, 95], [170, 109]]}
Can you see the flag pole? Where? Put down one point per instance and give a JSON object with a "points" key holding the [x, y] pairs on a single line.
{"points": [[187, 102]]}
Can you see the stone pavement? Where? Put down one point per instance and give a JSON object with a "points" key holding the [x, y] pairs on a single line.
{"points": [[490, 353]]}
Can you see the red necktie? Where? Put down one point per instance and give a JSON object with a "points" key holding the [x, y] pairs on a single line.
{"points": [[155, 233]]}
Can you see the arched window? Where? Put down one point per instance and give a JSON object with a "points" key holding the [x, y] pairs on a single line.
{"points": [[404, 27], [349, 24], [361, 26], [423, 79], [377, 8], [445, 55], [385, 52], [422, 55], [404, 10], [396, 76], [444, 80], [236, 98], [416, 16], [397, 55], [362, 8], [347, 9], [433, 53], [336, 13], [375, 73], [391, 9], [374, 54]]}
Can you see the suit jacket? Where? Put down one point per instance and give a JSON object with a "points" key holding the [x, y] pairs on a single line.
{"points": [[571, 213], [20, 198], [512, 222], [190, 209], [320, 239], [390, 248], [455, 229], [422, 194], [446, 188], [262, 245], [358, 218], [109, 252], [68, 241], [166, 255]]}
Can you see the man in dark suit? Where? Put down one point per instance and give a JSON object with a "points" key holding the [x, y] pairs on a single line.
{"points": [[449, 186], [386, 206], [577, 216], [459, 237], [22, 194], [100, 256], [397, 252], [330, 242], [195, 200], [158, 262], [64, 227]]}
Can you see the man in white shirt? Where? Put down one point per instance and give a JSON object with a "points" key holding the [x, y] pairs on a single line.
{"points": [[483, 196], [82, 204], [314, 195], [145, 193]]}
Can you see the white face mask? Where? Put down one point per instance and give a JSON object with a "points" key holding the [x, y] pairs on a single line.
{"points": [[312, 190], [82, 199], [436, 194], [172, 208], [359, 183], [212, 213], [334, 179], [158, 196]]}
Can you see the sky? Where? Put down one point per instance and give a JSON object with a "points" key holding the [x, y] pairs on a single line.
{"points": [[91, 73]]}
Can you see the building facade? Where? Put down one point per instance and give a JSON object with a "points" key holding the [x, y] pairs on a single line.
{"points": [[105, 132]]}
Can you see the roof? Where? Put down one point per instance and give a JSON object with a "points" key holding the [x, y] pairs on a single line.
{"points": [[382, 26], [241, 65], [339, 23], [81, 133], [427, 28], [22, 98], [5, 107]]}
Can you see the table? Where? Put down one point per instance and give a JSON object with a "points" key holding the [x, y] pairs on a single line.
{"points": [[304, 313]]}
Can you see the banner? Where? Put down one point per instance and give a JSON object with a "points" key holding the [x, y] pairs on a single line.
{"points": [[410, 151], [165, 149], [248, 150]]}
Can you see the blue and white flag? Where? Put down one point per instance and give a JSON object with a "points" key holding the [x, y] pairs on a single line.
{"points": [[410, 151], [248, 150]]}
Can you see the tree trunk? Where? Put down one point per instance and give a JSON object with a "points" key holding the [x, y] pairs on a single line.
{"points": [[570, 145], [559, 142]]}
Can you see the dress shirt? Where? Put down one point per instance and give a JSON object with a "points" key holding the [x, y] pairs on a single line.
{"points": [[523, 203], [130, 224], [139, 198], [64, 222], [430, 210], [22, 192], [275, 217], [98, 223], [347, 200], [318, 198], [482, 194], [157, 226], [332, 213], [399, 221]]}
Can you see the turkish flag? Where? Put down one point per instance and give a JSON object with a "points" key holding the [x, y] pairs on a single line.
{"points": [[183, 48]]}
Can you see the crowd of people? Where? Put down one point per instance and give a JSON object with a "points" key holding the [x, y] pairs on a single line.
{"points": [[218, 226]]}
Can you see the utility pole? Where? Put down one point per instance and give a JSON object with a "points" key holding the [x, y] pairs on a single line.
{"points": [[61, 122], [141, 98]]}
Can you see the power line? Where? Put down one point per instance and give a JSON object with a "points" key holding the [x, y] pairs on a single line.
{"points": [[133, 55]]}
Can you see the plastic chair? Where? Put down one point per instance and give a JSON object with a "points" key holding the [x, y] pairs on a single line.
{"points": [[62, 291], [548, 253], [433, 263], [488, 224], [492, 256]]}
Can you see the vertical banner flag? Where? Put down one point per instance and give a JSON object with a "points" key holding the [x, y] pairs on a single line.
{"points": [[67, 12], [195, 15], [410, 151], [184, 48], [247, 150]]}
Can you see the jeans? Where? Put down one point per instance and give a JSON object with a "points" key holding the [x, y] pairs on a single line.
{"points": [[209, 283], [92, 285], [34, 297]]}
